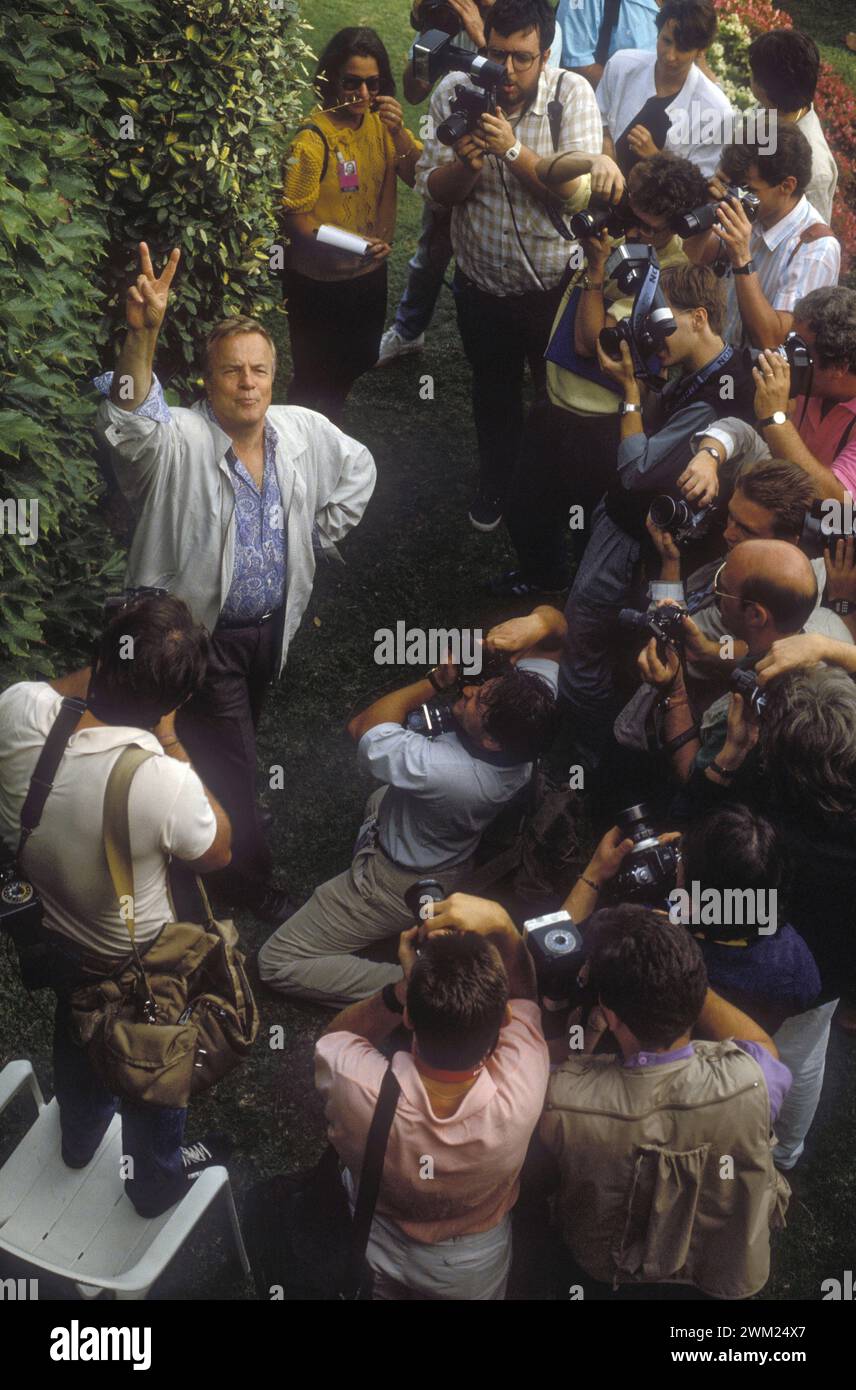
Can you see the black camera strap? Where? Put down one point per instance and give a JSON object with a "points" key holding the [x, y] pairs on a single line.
{"points": [[44, 772], [370, 1176], [607, 26]]}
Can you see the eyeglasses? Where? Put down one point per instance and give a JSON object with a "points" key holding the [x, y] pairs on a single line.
{"points": [[522, 62], [353, 84]]}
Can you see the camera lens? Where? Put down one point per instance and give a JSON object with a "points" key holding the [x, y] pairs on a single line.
{"points": [[453, 129]]}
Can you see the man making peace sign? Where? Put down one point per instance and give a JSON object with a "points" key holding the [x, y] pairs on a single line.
{"points": [[231, 498]]}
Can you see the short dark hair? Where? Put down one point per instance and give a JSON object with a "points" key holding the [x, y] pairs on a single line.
{"points": [[666, 185], [733, 848], [786, 63], [808, 744], [789, 607], [519, 711], [791, 157], [695, 22], [780, 486], [510, 16], [696, 287], [354, 42], [648, 970], [830, 313], [164, 664], [456, 999]]}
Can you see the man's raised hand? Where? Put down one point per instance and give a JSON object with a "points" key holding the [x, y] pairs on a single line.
{"points": [[147, 298]]}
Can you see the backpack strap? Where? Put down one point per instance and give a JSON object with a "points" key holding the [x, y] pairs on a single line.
{"points": [[370, 1176], [816, 232], [848, 430], [316, 130], [607, 26]]}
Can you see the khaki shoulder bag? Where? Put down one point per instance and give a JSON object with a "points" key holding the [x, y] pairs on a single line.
{"points": [[171, 1025]]}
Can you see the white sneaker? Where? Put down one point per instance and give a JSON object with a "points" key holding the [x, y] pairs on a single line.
{"points": [[393, 346]]}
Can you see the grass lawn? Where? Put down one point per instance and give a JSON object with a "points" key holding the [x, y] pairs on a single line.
{"points": [[414, 557]]}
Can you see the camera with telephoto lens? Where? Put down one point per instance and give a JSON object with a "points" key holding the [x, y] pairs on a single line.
{"points": [[617, 219], [745, 683], [434, 55], [650, 321], [648, 873], [115, 603], [826, 522], [797, 353], [21, 917], [556, 948], [678, 518], [666, 623], [417, 899], [688, 224]]}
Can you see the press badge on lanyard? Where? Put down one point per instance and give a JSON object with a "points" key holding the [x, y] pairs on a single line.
{"points": [[349, 178]]}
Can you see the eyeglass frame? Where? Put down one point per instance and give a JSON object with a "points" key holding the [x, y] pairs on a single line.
{"points": [[521, 62], [720, 593]]}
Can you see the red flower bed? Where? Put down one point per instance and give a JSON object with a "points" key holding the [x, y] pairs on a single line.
{"points": [[835, 103]]}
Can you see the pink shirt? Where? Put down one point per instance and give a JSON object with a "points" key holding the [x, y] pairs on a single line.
{"points": [[475, 1155], [822, 437]]}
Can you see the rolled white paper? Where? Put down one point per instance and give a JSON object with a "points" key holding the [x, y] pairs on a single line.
{"points": [[345, 241]]}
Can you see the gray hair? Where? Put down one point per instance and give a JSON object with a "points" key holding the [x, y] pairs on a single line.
{"points": [[831, 315], [808, 742]]}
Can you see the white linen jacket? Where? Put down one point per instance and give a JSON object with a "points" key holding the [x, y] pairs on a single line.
{"points": [[177, 480]]}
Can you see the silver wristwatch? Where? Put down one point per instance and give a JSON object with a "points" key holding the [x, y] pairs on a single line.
{"points": [[627, 409]]}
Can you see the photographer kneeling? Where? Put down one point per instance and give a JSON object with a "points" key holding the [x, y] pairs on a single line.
{"points": [[441, 793], [120, 702]]}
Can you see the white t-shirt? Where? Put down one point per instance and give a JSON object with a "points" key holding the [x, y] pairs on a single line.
{"points": [[169, 813], [700, 112]]}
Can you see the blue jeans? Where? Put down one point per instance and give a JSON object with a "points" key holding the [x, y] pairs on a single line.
{"points": [[427, 269], [151, 1134]]}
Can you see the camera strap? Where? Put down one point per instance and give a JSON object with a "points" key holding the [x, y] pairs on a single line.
{"points": [[607, 27], [555, 113], [639, 313], [44, 772], [692, 385]]}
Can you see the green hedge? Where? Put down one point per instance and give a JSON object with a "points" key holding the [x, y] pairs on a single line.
{"points": [[122, 121]]}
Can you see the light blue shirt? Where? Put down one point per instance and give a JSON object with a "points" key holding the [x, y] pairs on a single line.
{"points": [[579, 21]]}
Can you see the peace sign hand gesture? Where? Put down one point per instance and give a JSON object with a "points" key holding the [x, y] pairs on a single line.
{"points": [[147, 298]]}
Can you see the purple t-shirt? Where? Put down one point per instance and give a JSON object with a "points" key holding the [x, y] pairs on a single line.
{"points": [[776, 1074]]}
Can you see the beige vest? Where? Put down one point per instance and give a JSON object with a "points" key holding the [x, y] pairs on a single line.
{"points": [[648, 1194]]}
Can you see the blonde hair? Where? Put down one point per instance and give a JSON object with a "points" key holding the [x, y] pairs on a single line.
{"points": [[228, 328]]}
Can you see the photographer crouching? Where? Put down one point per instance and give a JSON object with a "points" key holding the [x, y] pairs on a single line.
{"points": [[445, 780]]}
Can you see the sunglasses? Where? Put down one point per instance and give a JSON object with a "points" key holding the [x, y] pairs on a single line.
{"points": [[353, 84]]}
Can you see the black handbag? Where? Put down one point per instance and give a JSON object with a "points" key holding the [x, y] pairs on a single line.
{"points": [[301, 1240]]}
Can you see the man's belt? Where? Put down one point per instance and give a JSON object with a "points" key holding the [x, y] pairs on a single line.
{"points": [[230, 623]]}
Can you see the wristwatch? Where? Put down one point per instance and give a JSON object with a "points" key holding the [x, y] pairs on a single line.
{"points": [[513, 153], [627, 409], [432, 677], [842, 606], [706, 449], [778, 417], [746, 269]]}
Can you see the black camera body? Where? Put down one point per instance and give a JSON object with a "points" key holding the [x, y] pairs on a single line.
{"points": [[825, 523], [797, 353], [418, 897], [431, 720], [645, 330], [745, 683], [617, 219], [648, 874], [21, 917], [682, 523], [556, 948], [437, 15], [666, 623], [688, 224], [434, 55]]}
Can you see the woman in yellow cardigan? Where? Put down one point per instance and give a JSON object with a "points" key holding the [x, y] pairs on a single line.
{"points": [[343, 170]]}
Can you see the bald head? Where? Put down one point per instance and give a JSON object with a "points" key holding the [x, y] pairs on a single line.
{"points": [[778, 577]]}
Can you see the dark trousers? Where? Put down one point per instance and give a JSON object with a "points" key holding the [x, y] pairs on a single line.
{"points": [[218, 729], [565, 461], [335, 328], [500, 335], [151, 1134]]}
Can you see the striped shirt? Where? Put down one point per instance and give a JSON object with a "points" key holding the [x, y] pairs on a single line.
{"points": [[484, 238], [786, 270]]}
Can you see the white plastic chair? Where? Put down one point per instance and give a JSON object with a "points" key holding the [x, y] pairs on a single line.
{"points": [[78, 1223]]}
